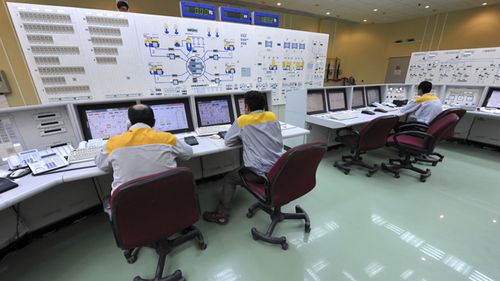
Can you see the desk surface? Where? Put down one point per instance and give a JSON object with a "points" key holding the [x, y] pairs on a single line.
{"points": [[322, 120], [31, 185]]}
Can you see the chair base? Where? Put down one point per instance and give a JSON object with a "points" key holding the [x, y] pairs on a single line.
{"points": [[355, 160], [163, 248], [396, 165], [277, 216], [433, 158]]}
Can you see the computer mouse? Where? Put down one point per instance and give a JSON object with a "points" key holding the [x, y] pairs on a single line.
{"points": [[368, 112], [380, 110], [215, 137], [19, 173]]}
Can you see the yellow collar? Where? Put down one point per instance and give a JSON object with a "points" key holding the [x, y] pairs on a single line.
{"points": [[426, 97]]}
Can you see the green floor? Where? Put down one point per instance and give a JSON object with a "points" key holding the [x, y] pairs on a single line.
{"points": [[377, 228]]}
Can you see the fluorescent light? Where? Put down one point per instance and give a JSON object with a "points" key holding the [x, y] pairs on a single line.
{"points": [[427, 7], [484, 4], [327, 13], [279, 3], [365, 20], [375, 10]]}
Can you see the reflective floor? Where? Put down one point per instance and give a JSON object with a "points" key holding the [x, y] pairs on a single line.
{"points": [[377, 228]]}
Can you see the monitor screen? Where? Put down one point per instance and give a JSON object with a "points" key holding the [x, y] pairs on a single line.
{"points": [[493, 98], [239, 101], [316, 101], [102, 121], [172, 115], [212, 111], [373, 94], [358, 98], [337, 100]]}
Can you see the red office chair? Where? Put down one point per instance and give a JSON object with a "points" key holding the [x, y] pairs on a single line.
{"points": [[292, 176], [447, 136], [148, 211], [417, 143], [372, 136]]}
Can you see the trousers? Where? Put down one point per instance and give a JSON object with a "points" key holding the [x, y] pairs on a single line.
{"points": [[231, 181]]}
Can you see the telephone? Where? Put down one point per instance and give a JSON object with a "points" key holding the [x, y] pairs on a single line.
{"points": [[23, 158], [48, 162]]}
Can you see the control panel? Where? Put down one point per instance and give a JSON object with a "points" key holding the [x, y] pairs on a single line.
{"points": [[395, 93], [464, 97]]}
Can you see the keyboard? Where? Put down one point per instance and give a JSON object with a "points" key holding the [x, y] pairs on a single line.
{"points": [[212, 130], [344, 115], [83, 154]]}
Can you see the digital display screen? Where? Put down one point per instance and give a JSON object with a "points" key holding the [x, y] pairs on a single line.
{"points": [[235, 15], [373, 95], [358, 99], [315, 102], [494, 100], [266, 19], [336, 101], [213, 112], [107, 122], [170, 117], [200, 11]]}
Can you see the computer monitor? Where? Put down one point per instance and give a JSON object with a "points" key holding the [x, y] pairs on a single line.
{"points": [[337, 99], [358, 98], [239, 104], [373, 94], [316, 101], [492, 98], [102, 121], [215, 110], [172, 115]]}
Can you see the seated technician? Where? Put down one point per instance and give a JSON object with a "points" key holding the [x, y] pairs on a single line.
{"points": [[260, 133], [141, 151], [122, 6], [425, 107]]}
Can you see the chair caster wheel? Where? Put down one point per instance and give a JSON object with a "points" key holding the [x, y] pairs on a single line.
{"points": [[346, 172], [369, 174], [137, 278], [307, 228], [397, 176], [434, 164], [254, 235], [249, 215], [202, 246], [284, 246], [423, 179]]}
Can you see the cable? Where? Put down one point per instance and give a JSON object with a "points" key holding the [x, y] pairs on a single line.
{"points": [[16, 209]]}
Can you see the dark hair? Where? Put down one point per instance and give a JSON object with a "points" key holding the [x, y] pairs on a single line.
{"points": [[425, 86], [255, 100], [120, 4], [141, 113]]}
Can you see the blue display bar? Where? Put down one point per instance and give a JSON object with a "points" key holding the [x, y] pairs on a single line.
{"points": [[235, 15], [198, 10], [266, 19]]}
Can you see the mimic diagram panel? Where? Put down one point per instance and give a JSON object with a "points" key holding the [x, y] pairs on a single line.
{"points": [[467, 67], [83, 54]]}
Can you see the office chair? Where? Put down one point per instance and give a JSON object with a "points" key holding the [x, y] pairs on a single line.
{"points": [[156, 211], [292, 176], [417, 143], [373, 135], [435, 157]]}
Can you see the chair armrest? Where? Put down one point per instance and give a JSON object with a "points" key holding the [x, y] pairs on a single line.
{"points": [[425, 136], [413, 126]]}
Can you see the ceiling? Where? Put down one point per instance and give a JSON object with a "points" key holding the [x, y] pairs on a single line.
{"points": [[360, 10]]}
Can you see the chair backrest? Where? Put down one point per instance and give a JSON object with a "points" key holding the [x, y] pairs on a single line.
{"points": [[294, 174], [440, 129], [152, 208], [374, 134], [451, 132]]}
